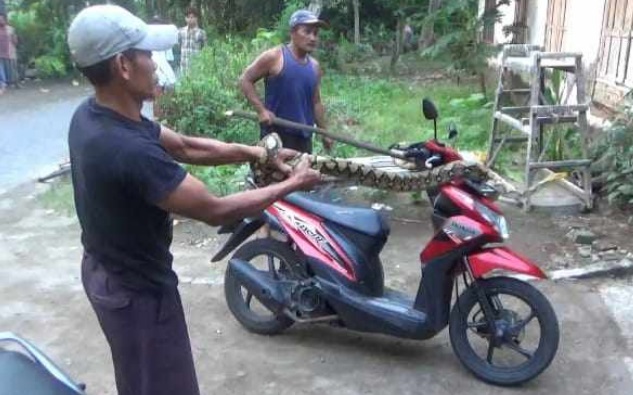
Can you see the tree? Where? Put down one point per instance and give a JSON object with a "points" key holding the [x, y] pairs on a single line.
{"points": [[427, 36], [316, 6], [356, 4], [461, 36], [397, 49], [402, 10]]}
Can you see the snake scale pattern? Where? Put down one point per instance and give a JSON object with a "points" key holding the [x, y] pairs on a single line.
{"points": [[345, 170]]}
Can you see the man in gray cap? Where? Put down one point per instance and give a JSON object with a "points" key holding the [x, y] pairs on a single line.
{"points": [[292, 83], [127, 182]]}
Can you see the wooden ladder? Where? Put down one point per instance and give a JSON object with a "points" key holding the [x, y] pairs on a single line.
{"points": [[527, 122]]}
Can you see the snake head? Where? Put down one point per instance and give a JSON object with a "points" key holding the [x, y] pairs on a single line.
{"points": [[272, 145]]}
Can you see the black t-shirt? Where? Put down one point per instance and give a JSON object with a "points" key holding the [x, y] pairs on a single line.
{"points": [[119, 172]]}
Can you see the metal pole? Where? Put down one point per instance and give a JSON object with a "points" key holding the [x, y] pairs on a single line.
{"points": [[294, 125]]}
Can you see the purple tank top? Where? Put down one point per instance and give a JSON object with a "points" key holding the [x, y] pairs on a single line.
{"points": [[290, 94]]}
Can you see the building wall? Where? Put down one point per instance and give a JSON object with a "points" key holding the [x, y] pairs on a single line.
{"points": [[583, 23], [536, 21], [583, 29]]}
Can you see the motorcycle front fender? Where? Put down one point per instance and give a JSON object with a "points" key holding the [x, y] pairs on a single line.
{"points": [[502, 259], [240, 231]]}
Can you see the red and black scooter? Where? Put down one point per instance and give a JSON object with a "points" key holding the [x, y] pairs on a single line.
{"points": [[328, 270]]}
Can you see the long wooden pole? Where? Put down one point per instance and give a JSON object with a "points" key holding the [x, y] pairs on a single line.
{"points": [[298, 126]]}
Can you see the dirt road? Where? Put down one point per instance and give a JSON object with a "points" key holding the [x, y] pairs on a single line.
{"points": [[42, 299]]}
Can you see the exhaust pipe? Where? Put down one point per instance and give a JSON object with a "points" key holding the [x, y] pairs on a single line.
{"points": [[260, 283]]}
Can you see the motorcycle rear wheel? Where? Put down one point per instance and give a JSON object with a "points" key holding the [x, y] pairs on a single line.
{"points": [[258, 319], [517, 332]]}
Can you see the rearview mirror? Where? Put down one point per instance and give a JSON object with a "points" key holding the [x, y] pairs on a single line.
{"points": [[428, 109]]}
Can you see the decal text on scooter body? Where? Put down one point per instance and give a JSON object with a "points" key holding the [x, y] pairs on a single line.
{"points": [[308, 230], [458, 232], [313, 235]]}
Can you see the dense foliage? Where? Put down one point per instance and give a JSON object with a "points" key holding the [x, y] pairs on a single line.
{"points": [[613, 155], [41, 24]]}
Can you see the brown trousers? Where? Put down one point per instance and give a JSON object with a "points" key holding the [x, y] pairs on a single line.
{"points": [[147, 334]]}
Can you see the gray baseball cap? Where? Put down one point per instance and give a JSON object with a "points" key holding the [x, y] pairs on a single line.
{"points": [[306, 17], [99, 32]]}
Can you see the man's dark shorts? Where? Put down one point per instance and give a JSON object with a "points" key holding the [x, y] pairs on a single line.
{"points": [[147, 334], [293, 141]]}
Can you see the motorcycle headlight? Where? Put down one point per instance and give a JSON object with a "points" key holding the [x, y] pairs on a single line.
{"points": [[496, 220]]}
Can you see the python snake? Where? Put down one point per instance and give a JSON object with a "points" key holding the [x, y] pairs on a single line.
{"points": [[348, 170]]}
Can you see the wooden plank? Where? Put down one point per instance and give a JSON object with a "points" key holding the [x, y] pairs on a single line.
{"points": [[560, 55], [628, 81], [513, 139], [548, 24], [626, 63], [611, 16], [553, 120], [515, 91], [602, 63], [547, 110], [555, 24], [620, 67], [576, 190], [605, 12], [562, 164], [584, 129], [608, 40], [621, 30], [628, 18], [562, 26], [515, 109], [613, 57], [620, 14]]}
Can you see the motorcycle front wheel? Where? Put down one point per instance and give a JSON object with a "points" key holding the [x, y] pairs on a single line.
{"points": [[525, 338]]}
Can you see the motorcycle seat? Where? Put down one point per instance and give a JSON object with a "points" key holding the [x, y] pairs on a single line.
{"points": [[364, 220], [20, 375]]}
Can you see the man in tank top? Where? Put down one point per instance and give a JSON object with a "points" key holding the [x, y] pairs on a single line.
{"points": [[292, 84]]}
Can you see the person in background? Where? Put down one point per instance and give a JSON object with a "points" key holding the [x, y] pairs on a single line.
{"points": [[165, 76], [292, 79], [407, 36], [191, 39], [8, 55]]}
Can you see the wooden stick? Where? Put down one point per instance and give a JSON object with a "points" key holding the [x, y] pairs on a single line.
{"points": [[343, 139]]}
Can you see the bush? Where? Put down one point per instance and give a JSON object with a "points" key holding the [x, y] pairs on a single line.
{"points": [[30, 33], [42, 36], [613, 156], [209, 89], [349, 52], [221, 180], [50, 66]]}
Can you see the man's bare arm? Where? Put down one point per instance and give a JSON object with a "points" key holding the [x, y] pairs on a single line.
{"points": [[192, 200], [319, 108], [206, 151], [262, 66]]}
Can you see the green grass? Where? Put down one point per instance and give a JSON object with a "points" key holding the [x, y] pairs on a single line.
{"points": [[59, 197], [221, 180], [386, 111]]}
